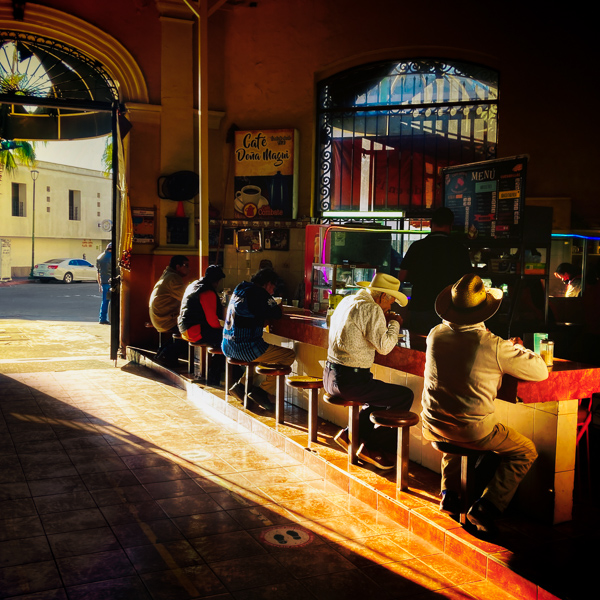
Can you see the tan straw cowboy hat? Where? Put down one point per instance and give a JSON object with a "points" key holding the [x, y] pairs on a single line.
{"points": [[467, 301], [382, 282]]}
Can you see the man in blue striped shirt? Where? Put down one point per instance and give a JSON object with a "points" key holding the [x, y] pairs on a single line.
{"points": [[251, 304]]}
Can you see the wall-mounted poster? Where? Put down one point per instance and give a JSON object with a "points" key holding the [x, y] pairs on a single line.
{"points": [[266, 174], [143, 225]]}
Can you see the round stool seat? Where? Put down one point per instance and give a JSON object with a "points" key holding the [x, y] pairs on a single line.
{"points": [[177, 336], [239, 363], [390, 418], [273, 370], [214, 350], [448, 448], [341, 401], [199, 344], [304, 382]]}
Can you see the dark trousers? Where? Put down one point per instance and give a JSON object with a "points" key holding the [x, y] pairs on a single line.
{"points": [[360, 385]]}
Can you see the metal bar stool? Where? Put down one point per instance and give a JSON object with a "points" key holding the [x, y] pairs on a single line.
{"points": [[249, 376], [466, 471], [210, 352], [313, 384], [202, 371], [403, 420], [279, 371], [148, 325], [353, 413]]}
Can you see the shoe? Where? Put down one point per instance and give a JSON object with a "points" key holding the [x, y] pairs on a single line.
{"points": [[104, 322], [377, 459], [238, 391], [483, 515], [450, 503], [342, 439], [260, 397]]}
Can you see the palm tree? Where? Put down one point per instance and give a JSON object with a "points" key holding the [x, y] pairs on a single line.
{"points": [[107, 157], [12, 152]]}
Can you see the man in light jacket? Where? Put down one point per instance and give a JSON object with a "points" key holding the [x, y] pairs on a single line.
{"points": [[463, 373], [361, 325]]}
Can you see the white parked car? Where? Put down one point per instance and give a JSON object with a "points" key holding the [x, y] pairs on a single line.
{"points": [[66, 270]]}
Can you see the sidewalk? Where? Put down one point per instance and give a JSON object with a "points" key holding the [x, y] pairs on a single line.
{"points": [[15, 281], [115, 483]]}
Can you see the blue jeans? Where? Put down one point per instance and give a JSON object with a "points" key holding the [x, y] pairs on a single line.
{"points": [[105, 302]]}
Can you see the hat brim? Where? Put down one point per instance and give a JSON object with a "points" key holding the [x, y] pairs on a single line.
{"points": [[448, 312], [401, 299]]}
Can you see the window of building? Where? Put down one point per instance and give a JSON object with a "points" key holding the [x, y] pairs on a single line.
{"points": [[47, 209], [19, 196], [74, 205], [385, 131]]}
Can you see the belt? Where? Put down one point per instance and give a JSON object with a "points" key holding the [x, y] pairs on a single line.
{"points": [[337, 367]]}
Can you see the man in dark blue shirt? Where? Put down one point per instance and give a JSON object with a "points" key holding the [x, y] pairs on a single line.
{"points": [[251, 304], [431, 264], [104, 264]]}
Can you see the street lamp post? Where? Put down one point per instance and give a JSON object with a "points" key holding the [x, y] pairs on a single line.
{"points": [[34, 176]]}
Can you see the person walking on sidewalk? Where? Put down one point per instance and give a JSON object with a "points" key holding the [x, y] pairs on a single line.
{"points": [[104, 265]]}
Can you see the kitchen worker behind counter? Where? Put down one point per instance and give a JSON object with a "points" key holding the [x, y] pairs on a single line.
{"points": [[430, 265], [361, 325], [464, 366]]}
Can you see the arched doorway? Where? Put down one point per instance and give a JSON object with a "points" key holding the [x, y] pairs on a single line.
{"points": [[51, 91]]}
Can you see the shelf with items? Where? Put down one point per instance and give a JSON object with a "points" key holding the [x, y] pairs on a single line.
{"points": [[331, 279]]}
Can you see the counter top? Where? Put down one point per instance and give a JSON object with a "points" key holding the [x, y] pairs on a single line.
{"points": [[567, 380]]}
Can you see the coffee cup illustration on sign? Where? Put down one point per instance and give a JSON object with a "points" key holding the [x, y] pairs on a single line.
{"points": [[248, 200]]}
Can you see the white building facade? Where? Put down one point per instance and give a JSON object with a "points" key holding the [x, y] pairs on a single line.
{"points": [[73, 216]]}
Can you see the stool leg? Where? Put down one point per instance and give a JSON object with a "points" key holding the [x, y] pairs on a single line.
{"points": [[464, 489], [228, 368], [205, 361], [280, 398], [248, 386], [353, 434], [191, 357], [402, 459], [313, 413]]}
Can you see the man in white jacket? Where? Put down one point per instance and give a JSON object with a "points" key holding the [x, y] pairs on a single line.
{"points": [[362, 325], [463, 373]]}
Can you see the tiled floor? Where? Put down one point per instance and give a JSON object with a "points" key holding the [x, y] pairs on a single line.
{"points": [[113, 485]]}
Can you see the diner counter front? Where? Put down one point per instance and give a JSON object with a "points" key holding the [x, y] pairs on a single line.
{"points": [[546, 411]]}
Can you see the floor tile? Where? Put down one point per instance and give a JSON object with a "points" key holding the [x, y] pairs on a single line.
{"points": [[250, 572], [313, 560], [126, 588], [20, 527], [98, 566], [73, 520], [86, 541], [31, 578], [190, 582], [173, 489], [227, 546], [194, 526], [63, 502], [151, 532], [121, 495], [163, 557], [189, 505], [57, 485]]}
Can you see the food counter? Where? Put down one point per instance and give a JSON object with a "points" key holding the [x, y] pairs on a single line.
{"points": [[545, 411]]}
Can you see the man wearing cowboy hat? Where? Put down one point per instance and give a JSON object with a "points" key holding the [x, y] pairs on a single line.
{"points": [[463, 373], [361, 325]]}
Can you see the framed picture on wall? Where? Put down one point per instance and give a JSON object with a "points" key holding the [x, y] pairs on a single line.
{"points": [[277, 239], [248, 240]]}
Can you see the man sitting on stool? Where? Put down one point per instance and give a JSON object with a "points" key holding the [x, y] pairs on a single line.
{"points": [[463, 373], [361, 325], [251, 304], [200, 316]]}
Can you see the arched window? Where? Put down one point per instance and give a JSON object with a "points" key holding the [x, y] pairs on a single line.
{"points": [[385, 131]]}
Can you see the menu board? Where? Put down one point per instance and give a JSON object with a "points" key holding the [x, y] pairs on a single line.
{"points": [[487, 198]]}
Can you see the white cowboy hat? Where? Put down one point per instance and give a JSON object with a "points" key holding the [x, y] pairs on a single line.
{"points": [[382, 282], [467, 301]]}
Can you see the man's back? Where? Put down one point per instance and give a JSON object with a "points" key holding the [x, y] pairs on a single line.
{"points": [[165, 300], [433, 263]]}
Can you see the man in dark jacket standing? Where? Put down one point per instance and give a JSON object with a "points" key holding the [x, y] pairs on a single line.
{"points": [[200, 316], [103, 264], [251, 304]]}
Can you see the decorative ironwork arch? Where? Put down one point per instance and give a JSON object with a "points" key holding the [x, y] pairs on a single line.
{"points": [[386, 129], [51, 91]]}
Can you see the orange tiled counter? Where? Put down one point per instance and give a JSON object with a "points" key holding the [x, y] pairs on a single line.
{"points": [[546, 411]]}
